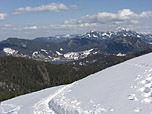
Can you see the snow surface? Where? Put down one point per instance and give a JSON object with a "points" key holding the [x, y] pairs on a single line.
{"points": [[125, 88]]}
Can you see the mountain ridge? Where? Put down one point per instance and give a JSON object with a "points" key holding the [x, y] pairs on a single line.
{"points": [[99, 35], [71, 49]]}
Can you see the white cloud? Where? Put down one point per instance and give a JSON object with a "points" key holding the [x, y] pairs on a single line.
{"points": [[52, 7], [69, 26], [125, 14], [104, 21], [122, 16], [31, 28], [74, 6], [146, 14], [16, 13], [15, 28], [88, 24], [101, 21], [7, 25], [3, 16]]}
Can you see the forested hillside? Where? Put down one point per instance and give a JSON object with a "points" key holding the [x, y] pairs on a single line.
{"points": [[20, 75]]}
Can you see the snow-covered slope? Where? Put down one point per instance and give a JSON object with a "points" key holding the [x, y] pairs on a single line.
{"points": [[125, 88]]}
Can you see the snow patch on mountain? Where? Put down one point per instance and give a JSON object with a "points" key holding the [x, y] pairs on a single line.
{"points": [[95, 36], [44, 51], [77, 55], [120, 54], [24, 44], [61, 49], [10, 51], [72, 55], [35, 53], [105, 34], [38, 55], [59, 53], [138, 36]]}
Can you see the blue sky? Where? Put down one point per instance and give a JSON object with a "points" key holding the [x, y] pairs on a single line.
{"points": [[35, 18]]}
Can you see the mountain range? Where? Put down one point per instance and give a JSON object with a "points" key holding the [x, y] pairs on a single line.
{"points": [[76, 47], [126, 83], [99, 35]]}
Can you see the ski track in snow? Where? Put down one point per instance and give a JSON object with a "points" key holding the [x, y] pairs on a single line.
{"points": [[62, 105], [42, 107]]}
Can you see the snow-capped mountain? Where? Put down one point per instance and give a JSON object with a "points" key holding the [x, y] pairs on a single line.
{"points": [[112, 34], [71, 49], [99, 35], [125, 88]]}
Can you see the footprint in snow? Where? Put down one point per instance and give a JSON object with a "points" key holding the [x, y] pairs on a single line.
{"points": [[137, 110], [132, 97]]}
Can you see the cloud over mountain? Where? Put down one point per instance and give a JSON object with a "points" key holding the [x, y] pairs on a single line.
{"points": [[122, 16]]}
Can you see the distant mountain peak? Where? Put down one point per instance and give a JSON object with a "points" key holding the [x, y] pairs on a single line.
{"points": [[91, 31], [122, 29]]}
